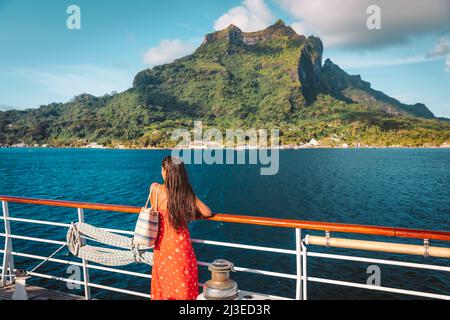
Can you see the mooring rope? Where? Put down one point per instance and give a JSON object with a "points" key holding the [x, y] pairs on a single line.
{"points": [[48, 258], [79, 232]]}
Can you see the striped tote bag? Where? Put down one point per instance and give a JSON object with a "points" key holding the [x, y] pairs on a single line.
{"points": [[146, 230]]}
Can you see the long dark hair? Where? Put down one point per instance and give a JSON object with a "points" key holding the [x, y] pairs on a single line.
{"points": [[181, 202]]}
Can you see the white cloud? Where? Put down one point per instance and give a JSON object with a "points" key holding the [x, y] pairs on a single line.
{"points": [[363, 61], [67, 81], [251, 15], [442, 48], [406, 98], [167, 51], [300, 28], [343, 23]]}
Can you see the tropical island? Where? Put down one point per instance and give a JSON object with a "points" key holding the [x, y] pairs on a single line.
{"points": [[273, 78]]}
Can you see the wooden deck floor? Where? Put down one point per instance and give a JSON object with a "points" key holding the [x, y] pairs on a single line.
{"points": [[38, 293]]}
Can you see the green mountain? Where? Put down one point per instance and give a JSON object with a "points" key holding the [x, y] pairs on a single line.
{"points": [[272, 78]]}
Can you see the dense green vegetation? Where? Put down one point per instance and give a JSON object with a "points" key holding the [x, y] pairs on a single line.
{"points": [[268, 79]]}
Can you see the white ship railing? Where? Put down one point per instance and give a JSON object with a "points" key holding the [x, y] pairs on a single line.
{"points": [[301, 250]]}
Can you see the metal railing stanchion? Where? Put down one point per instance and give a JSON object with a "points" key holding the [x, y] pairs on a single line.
{"points": [[8, 259], [298, 249], [87, 289], [304, 271]]}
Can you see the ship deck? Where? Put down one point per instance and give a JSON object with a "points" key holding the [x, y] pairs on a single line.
{"points": [[38, 293]]}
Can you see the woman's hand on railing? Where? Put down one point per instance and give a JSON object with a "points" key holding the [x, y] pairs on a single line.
{"points": [[204, 211]]}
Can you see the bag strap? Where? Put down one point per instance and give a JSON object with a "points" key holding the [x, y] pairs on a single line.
{"points": [[157, 188], [150, 194]]}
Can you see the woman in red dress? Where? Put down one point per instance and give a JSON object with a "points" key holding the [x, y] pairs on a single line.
{"points": [[174, 272]]}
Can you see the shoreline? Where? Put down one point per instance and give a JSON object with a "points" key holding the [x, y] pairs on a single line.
{"points": [[237, 148]]}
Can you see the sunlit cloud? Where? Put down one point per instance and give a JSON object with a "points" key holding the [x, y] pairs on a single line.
{"points": [[251, 15], [343, 23], [357, 62], [67, 81], [442, 48], [406, 98], [167, 51]]}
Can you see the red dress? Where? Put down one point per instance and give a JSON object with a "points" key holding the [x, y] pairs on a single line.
{"points": [[174, 272]]}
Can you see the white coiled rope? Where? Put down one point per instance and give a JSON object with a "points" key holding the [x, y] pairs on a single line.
{"points": [[76, 243]]}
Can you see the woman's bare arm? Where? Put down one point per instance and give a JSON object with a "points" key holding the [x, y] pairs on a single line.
{"points": [[203, 209]]}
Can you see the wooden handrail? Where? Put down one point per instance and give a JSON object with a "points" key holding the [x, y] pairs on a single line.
{"points": [[263, 221]]}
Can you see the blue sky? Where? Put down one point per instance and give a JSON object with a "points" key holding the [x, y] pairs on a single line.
{"points": [[42, 61]]}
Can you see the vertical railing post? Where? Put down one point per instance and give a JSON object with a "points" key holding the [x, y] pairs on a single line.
{"points": [[298, 249], [8, 259], [304, 271], [87, 289]]}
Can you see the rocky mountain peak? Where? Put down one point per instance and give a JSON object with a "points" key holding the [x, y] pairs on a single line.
{"points": [[234, 34]]}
